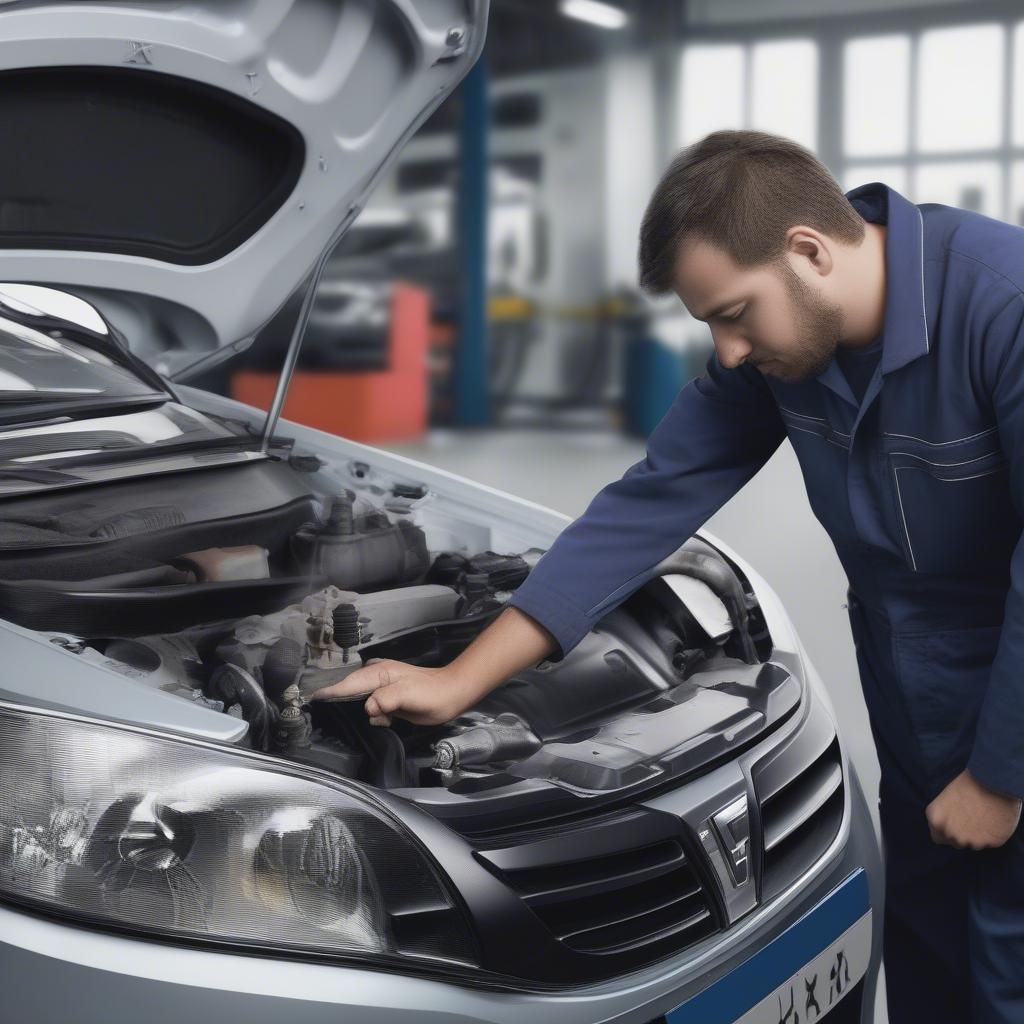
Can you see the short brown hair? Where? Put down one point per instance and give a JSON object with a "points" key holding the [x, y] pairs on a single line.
{"points": [[740, 191]]}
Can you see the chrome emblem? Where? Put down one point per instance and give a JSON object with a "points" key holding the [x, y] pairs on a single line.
{"points": [[732, 825]]}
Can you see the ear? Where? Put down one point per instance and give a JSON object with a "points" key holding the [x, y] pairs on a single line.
{"points": [[806, 244]]}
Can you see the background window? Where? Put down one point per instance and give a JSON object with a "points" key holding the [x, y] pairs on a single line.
{"points": [[784, 89], [876, 96], [960, 88], [924, 111], [705, 110], [1018, 85]]}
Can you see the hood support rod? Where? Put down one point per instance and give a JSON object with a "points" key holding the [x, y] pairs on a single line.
{"points": [[298, 332]]}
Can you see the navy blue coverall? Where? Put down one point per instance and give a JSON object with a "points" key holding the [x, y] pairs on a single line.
{"points": [[920, 485]]}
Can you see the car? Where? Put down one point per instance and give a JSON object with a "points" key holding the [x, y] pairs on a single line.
{"points": [[662, 825]]}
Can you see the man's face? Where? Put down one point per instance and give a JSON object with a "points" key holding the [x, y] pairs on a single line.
{"points": [[766, 316]]}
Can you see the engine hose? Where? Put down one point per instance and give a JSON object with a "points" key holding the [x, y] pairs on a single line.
{"points": [[507, 738], [233, 685], [383, 748], [701, 561], [281, 667]]}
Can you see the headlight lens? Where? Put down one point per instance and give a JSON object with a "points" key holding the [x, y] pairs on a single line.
{"points": [[122, 827]]}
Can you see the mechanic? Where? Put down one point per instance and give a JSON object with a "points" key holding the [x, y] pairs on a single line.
{"points": [[886, 340]]}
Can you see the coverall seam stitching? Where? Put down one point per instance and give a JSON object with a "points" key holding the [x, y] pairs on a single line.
{"points": [[1018, 293], [924, 304], [831, 440], [814, 433], [998, 273], [815, 419], [802, 415], [903, 518], [946, 465], [939, 444], [955, 479]]}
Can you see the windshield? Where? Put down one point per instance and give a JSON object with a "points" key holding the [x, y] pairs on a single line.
{"points": [[41, 367]]}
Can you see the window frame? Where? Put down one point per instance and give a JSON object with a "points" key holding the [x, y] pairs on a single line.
{"points": [[831, 33]]}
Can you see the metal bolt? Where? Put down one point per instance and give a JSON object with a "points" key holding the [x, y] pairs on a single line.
{"points": [[455, 36]]}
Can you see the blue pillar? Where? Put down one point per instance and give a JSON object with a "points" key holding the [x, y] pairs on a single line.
{"points": [[470, 388]]}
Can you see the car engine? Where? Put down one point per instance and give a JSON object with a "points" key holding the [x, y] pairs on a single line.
{"points": [[246, 589]]}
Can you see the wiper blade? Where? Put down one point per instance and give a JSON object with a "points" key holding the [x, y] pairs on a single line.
{"points": [[110, 341], [31, 411], [161, 449], [27, 397], [35, 475]]}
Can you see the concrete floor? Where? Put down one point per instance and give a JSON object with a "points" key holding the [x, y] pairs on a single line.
{"points": [[769, 523]]}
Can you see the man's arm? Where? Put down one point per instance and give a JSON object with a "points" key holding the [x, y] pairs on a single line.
{"points": [[719, 432], [721, 429]]}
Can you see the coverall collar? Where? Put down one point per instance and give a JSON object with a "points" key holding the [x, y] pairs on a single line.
{"points": [[905, 332]]}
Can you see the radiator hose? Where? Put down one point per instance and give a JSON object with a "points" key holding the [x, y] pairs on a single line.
{"points": [[507, 738], [700, 560]]}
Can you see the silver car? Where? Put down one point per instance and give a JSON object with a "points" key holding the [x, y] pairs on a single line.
{"points": [[663, 825]]}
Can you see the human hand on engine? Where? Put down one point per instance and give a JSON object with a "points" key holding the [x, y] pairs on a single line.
{"points": [[423, 696], [433, 696]]}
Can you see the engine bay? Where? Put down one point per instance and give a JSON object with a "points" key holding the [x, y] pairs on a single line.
{"points": [[246, 589]]}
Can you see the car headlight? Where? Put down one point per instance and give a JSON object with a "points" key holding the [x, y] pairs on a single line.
{"points": [[187, 840]]}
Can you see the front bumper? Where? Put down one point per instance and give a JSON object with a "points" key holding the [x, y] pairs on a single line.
{"points": [[52, 971]]}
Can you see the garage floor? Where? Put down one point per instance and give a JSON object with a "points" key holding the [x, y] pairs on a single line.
{"points": [[769, 523]]}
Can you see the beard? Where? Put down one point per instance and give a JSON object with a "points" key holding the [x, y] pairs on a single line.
{"points": [[819, 328]]}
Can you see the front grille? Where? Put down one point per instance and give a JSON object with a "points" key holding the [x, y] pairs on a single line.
{"points": [[613, 889], [800, 794]]}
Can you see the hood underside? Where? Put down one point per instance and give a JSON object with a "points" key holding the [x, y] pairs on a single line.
{"points": [[183, 165]]}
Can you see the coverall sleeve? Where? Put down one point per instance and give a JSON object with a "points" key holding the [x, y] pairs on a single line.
{"points": [[997, 754], [720, 430]]}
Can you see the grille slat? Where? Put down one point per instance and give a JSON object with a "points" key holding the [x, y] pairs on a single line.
{"points": [[643, 899], [801, 798], [801, 801], [642, 936], [673, 910], [618, 906], [585, 878]]}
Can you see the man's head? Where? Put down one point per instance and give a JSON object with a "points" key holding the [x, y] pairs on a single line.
{"points": [[756, 237]]}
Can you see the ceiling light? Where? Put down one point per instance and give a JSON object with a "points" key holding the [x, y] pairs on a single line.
{"points": [[595, 12]]}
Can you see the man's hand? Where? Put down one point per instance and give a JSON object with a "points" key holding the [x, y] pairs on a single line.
{"points": [[432, 696], [968, 815], [424, 696]]}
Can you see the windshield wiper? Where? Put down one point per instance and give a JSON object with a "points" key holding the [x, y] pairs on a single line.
{"points": [[25, 412], [160, 450], [110, 341], [28, 396]]}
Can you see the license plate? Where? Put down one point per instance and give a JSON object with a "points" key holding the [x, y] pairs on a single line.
{"points": [[817, 987], [830, 947]]}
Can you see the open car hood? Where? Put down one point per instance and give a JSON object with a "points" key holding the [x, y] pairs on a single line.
{"points": [[184, 165]]}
